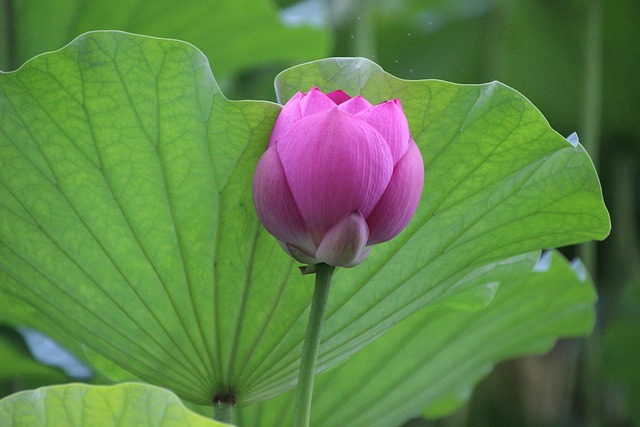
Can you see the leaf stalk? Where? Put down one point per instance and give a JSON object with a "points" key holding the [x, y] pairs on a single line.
{"points": [[223, 412]]}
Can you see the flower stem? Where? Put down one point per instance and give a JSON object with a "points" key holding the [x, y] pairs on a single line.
{"points": [[304, 391]]}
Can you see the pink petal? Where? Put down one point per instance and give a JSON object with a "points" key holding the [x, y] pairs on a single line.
{"points": [[275, 205], [315, 102], [338, 96], [298, 254], [337, 164], [389, 119], [289, 114], [400, 201], [343, 244], [355, 105]]}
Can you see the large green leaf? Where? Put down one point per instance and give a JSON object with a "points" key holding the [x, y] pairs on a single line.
{"points": [[111, 195], [234, 34], [498, 181], [123, 405], [127, 218], [430, 362]]}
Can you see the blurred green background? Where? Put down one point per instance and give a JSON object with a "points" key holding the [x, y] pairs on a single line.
{"points": [[576, 60]]}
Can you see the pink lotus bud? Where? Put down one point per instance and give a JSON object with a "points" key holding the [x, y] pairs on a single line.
{"points": [[338, 176]]}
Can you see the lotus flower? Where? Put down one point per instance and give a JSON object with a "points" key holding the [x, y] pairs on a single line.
{"points": [[338, 176]]}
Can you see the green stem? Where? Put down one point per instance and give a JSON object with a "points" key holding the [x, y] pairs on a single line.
{"points": [[222, 412], [304, 391], [591, 121], [591, 113]]}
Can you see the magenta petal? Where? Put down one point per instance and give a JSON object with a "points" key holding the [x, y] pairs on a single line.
{"points": [[355, 105], [400, 200], [343, 244], [338, 96], [298, 254], [289, 114], [389, 119], [275, 205], [315, 102], [344, 165]]}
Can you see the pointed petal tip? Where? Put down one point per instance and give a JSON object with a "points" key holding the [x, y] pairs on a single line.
{"points": [[339, 96], [315, 101], [295, 98], [389, 119], [356, 105]]}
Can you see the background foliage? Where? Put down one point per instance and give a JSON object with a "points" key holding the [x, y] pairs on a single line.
{"points": [[575, 60]]}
